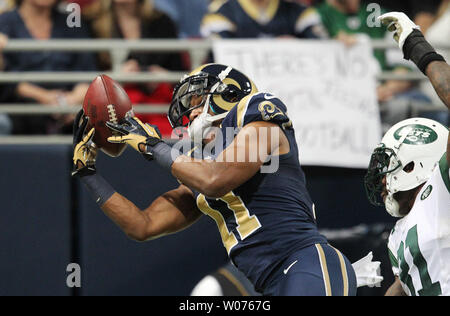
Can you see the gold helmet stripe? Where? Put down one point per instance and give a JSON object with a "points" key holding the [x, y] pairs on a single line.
{"points": [[242, 109], [198, 69], [218, 99]]}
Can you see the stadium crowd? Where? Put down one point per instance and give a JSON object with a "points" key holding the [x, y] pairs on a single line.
{"points": [[344, 20]]}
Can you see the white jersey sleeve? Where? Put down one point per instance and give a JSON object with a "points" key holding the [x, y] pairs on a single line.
{"points": [[392, 250], [443, 188]]}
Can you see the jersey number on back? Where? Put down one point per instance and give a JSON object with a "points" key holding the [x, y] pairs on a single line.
{"points": [[412, 242], [246, 223]]}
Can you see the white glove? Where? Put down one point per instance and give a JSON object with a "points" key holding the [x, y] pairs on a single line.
{"points": [[400, 24], [367, 271]]}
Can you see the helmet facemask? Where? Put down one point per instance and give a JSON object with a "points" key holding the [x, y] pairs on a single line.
{"points": [[385, 168], [383, 163], [404, 160], [201, 126], [181, 107]]}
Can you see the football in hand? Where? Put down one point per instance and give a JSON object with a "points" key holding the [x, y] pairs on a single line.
{"points": [[106, 101]]}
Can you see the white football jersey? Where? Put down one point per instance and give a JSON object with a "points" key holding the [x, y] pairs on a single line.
{"points": [[419, 244]]}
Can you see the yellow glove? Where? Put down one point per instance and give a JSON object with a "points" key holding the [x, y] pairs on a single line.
{"points": [[138, 135], [85, 151]]}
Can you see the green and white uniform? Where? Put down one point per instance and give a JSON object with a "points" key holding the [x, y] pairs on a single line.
{"points": [[419, 244]]}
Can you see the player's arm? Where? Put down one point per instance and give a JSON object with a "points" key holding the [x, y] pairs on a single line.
{"points": [[234, 165], [415, 48], [3, 42], [214, 178], [439, 74], [169, 213], [395, 289]]}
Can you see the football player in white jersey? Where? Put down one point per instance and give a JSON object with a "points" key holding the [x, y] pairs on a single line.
{"points": [[409, 173]]}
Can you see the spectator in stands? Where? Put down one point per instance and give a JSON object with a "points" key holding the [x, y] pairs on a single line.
{"points": [[6, 5], [261, 18], [5, 122], [3, 42], [5, 125], [137, 19], [186, 14], [40, 20], [305, 2], [344, 20]]}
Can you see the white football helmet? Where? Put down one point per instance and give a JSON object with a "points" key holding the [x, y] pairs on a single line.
{"points": [[406, 156]]}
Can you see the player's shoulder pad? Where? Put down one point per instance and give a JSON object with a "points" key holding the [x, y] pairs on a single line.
{"points": [[258, 107]]}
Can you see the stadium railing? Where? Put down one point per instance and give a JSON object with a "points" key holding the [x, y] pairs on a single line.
{"points": [[197, 50]]}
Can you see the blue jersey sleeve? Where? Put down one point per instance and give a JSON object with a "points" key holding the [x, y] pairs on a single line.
{"points": [[258, 107], [220, 22]]}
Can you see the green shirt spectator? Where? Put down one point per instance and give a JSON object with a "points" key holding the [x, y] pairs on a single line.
{"points": [[351, 17], [344, 19]]}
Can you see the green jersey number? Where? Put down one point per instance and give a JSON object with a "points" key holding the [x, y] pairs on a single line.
{"points": [[412, 242]]}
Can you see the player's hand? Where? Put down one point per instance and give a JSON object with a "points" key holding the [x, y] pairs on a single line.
{"points": [[367, 271], [400, 24], [84, 149], [142, 137]]}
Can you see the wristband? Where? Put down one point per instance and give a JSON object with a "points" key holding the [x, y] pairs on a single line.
{"points": [[99, 188], [417, 49], [164, 155]]}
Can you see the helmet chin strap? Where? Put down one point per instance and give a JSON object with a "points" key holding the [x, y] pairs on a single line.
{"points": [[202, 124], [213, 118], [392, 206]]}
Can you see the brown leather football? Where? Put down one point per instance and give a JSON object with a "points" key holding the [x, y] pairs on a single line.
{"points": [[105, 101]]}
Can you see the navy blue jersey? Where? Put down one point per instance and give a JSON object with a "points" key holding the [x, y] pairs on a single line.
{"points": [[270, 216], [243, 19]]}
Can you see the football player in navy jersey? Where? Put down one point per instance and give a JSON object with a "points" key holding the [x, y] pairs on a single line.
{"points": [[261, 19], [260, 203]]}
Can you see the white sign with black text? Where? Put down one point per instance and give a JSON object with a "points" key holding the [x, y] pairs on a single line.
{"points": [[329, 91]]}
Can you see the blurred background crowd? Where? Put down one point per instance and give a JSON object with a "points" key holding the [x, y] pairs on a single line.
{"points": [[343, 20]]}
